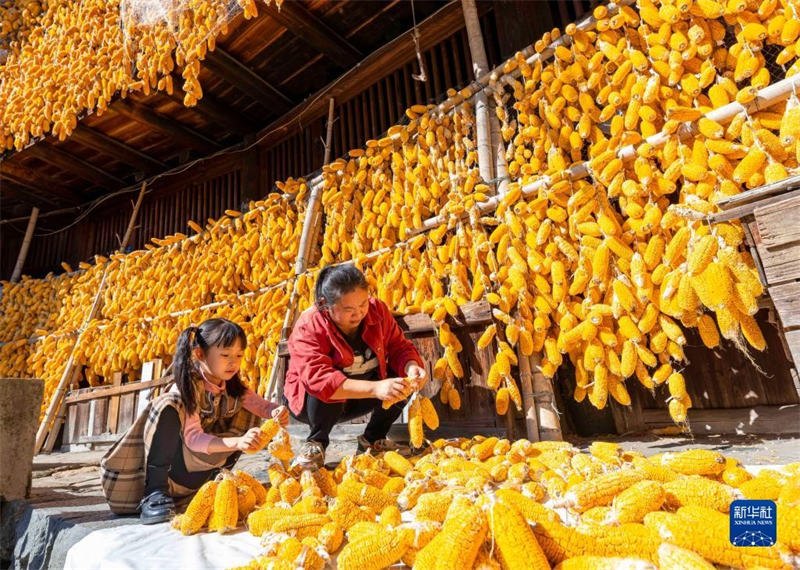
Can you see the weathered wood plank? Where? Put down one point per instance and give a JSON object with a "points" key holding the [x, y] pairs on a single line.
{"points": [[100, 423], [113, 406], [786, 299], [748, 209], [105, 392], [127, 412], [475, 313], [780, 264], [793, 340], [757, 194], [779, 224], [754, 420]]}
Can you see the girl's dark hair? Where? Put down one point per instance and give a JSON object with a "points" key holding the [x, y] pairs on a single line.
{"points": [[213, 332], [334, 281]]}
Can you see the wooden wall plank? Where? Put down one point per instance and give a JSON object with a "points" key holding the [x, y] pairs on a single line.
{"points": [[780, 264], [770, 420], [786, 299], [793, 340], [779, 224]]}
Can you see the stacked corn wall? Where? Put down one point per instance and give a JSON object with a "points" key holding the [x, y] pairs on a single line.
{"points": [[606, 270], [238, 267], [609, 270]]}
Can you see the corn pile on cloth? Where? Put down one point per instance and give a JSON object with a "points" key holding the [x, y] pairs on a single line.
{"points": [[140, 547]]}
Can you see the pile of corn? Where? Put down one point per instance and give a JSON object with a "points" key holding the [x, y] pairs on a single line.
{"points": [[491, 503], [113, 48], [607, 271], [220, 505]]}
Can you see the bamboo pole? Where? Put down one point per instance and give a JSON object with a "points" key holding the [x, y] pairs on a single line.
{"points": [[58, 395], [480, 66], [131, 223], [491, 163], [26, 243], [770, 95], [309, 234]]}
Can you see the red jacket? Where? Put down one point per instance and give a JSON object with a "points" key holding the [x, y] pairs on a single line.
{"points": [[318, 352]]}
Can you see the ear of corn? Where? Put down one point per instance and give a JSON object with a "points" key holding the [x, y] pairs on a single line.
{"points": [[225, 513], [199, 508]]}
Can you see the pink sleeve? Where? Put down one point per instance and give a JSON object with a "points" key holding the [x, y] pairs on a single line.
{"points": [[193, 435], [254, 403]]}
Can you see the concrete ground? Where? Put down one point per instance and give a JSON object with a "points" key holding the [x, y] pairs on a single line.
{"points": [[66, 502]]}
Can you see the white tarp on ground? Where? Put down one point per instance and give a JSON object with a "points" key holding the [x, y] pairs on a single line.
{"points": [[139, 547], [134, 547]]}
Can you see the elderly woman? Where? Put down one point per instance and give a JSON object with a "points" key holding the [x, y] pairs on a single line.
{"points": [[346, 353]]}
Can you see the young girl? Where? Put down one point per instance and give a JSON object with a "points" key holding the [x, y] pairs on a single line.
{"points": [[200, 426], [341, 352]]}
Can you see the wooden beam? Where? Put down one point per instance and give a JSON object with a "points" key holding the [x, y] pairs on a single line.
{"points": [[224, 65], [30, 178], [178, 131], [24, 192], [382, 62], [312, 30], [766, 191], [71, 163], [745, 210], [110, 146], [87, 394], [213, 110]]}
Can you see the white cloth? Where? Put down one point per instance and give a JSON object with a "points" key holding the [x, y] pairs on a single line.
{"points": [[140, 547], [145, 547]]}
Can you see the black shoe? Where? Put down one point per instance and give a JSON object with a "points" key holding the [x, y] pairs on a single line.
{"points": [[157, 507]]}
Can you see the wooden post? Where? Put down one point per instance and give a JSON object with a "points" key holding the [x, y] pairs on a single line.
{"points": [[61, 389], [310, 231], [61, 416], [26, 243], [549, 424], [480, 66], [528, 401]]}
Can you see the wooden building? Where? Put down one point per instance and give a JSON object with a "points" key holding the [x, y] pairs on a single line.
{"points": [[262, 119]]}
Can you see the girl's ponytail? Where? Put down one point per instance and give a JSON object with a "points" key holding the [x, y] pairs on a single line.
{"points": [[182, 368]]}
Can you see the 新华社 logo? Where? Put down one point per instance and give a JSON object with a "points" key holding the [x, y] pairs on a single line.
{"points": [[753, 523]]}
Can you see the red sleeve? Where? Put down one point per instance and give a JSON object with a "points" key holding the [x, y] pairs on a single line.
{"points": [[400, 351], [311, 364]]}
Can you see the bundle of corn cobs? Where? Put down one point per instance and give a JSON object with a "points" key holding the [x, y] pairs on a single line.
{"points": [[492, 503], [152, 295], [610, 270], [103, 41]]}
